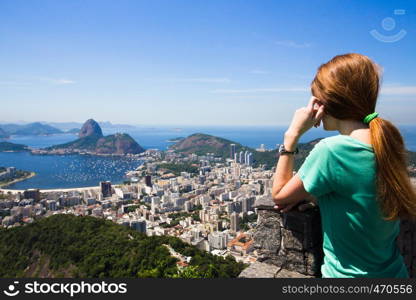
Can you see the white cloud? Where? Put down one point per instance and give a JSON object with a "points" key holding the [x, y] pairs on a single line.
{"points": [[260, 72], [203, 80], [260, 90], [35, 80], [64, 81], [59, 81], [398, 90], [292, 44], [8, 83], [385, 90]]}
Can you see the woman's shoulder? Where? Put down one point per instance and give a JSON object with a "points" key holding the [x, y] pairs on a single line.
{"points": [[343, 142]]}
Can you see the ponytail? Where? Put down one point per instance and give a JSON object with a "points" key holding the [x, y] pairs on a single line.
{"points": [[394, 189]]}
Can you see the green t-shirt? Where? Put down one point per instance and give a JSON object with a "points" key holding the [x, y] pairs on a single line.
{"points": [[340, 172]]}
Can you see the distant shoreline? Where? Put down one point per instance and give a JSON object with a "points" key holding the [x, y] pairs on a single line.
{"points": [[57, 153], [79, 189]]}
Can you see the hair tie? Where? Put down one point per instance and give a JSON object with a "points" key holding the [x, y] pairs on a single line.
{"points": [[369, 117]]}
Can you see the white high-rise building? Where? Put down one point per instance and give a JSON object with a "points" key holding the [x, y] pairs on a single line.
{"points": [[249, 160], [218, 240], [188, 206], [51, 204], [241, 158]]}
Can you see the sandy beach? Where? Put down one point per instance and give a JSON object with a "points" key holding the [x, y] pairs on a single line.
{"points": [[80, 189]]}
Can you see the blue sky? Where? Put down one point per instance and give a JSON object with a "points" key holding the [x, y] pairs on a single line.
{"points": [[222, 62]]}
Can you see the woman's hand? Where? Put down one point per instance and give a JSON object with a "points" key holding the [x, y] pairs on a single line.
{"points": [[284, 208], [306, 117]]}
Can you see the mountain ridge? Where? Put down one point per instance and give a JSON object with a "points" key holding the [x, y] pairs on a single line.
{"points": [[35, 128], [201, 143]]}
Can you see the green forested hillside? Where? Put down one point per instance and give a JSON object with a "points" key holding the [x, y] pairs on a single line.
{"points": [[200, 144], [36, 128], [71, 246], [6, 146]]}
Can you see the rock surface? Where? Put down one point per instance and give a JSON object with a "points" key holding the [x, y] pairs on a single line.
{"points": [[291, 241], [407, 245], [283, 273], [119, 143], [263, 270], [259, 270]]}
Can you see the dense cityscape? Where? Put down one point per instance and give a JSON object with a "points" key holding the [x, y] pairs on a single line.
{"points": [[206, 201]]}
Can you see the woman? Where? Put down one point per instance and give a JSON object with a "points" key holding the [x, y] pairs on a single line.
{"points": [[358, 177]]}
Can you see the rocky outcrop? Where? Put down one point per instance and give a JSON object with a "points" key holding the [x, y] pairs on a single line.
{"points": [[290, 244], [407, 245], [264, 270], [90, 128], [200, 144], [119, 143], [259, 270], [92, 141]]}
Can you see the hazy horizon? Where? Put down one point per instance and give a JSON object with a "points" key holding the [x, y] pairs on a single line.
{"points": [[21, 122]]}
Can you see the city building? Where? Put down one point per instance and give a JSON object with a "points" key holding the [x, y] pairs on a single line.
{"points": [[9, 173], [249, 160], [139, 225], [148, 180], [232, 151], [247, 204], [188, 206], [218, 240], [51, 205], [235, 222], [241, 157], [241, 245], [106, 189], [32, 194], [262, 148]]}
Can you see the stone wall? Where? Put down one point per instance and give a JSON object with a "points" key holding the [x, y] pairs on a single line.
{"points": [[407, 245], [290, 244]]}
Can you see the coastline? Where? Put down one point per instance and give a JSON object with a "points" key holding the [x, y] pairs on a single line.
{"points": [[41, 152], [79, 189], [32, 174]]}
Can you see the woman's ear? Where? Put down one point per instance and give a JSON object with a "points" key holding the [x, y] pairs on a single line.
{"points": [[317, 104]]}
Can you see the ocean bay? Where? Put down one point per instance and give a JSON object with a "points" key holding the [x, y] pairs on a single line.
{"points": [[70, 171]]}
